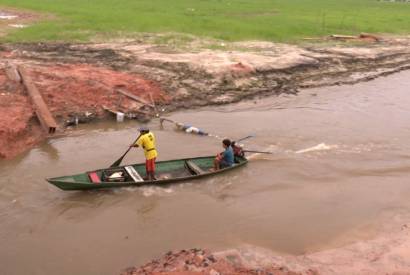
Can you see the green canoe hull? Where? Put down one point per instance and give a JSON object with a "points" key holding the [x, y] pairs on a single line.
{"points": [[170, 171]]}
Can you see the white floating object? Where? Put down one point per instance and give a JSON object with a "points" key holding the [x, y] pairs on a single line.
{"points": [[7, 17], [192, 130], [19, 26], [116, 175], [120, 117]]}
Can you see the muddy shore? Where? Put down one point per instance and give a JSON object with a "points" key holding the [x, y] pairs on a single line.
{"points": [[78, 81], [387, 254]]}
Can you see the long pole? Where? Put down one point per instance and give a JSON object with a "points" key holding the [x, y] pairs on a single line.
{"points": [[118, 161]]}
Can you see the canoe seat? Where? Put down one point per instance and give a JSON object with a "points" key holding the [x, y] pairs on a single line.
{"points": [[133, 173], [94, 177], [195, 169]]}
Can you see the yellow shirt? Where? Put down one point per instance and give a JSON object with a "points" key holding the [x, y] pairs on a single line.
{"points": [[147, 142]]}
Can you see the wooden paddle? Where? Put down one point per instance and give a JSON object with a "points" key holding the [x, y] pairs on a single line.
{"points": [[118, 161], [241, 139], [260, 152]]}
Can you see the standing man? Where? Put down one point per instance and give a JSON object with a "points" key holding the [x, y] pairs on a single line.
{"points": [[147, 142]]}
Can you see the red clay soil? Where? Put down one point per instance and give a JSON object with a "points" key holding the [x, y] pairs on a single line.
{"points": [[68, 90], [17, 132], [198, 261]]}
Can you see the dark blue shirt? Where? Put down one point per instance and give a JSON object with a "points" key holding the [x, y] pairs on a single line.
{"points": [[227, 156]]}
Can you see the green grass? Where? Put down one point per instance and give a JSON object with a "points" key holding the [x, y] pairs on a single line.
{"points": [[231, 20]]}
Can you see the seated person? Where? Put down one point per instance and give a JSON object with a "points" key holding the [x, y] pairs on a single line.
{"points": [[226, 158], [237, 150]]}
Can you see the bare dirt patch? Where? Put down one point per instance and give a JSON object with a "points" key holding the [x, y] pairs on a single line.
{"points": [[17, 130], [71, 91], [79, 88], [199, 261], [11, 19]]}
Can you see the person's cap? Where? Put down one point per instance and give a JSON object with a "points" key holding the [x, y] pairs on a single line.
{"points": [[143, 129]]}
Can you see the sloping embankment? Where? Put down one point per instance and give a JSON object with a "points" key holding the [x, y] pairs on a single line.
{"points": [[388, 253], [79, 80]]}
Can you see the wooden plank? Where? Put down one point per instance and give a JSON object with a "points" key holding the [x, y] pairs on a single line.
{"points": [[12, 73], [126, 114], [110, 110], [153, 103], [136, 98], [133, 173], [43, 113], [194, 168], [339, 36]]}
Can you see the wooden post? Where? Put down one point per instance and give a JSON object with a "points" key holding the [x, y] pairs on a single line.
{"points": [[44, 116]]}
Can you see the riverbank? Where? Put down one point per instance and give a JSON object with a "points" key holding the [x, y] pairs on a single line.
{"points": [[80, 81], [199, 261], [388, 253]]}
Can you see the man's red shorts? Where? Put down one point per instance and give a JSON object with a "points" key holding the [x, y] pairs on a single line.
{"points": [[150, 165]]}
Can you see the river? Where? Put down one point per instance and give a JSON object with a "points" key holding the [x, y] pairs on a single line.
{"points": [[339, 172]]}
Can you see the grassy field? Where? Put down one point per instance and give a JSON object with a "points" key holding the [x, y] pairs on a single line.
{"points": [[232, 20]]}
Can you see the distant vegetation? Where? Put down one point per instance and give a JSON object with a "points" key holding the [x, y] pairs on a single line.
{"points": [[232, 20]]}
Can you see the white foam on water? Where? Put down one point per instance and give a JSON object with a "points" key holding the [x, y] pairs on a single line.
{"points": [[319, 147], [260, 156], [149, 191], [168, 190]]}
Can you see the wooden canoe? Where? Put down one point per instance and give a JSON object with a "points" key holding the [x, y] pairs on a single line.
{"points": [[131, 175]]}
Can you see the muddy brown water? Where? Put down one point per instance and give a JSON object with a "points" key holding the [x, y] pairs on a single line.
{"points": [[338, 173]]}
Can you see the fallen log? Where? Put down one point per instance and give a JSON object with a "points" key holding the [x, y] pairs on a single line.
{"points": [[136, 98], [43, 114], [339, 36], [12, 73]]}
